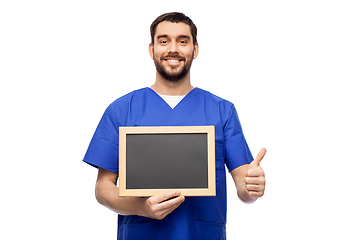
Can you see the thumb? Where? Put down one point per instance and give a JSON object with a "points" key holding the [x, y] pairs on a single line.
{"points": [[258, 158]]}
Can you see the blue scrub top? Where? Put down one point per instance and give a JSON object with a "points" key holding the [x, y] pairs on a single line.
{"points": [[197, 217]]}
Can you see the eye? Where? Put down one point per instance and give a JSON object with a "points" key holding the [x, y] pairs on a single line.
{"points": [[183, 42], [163, 42]]}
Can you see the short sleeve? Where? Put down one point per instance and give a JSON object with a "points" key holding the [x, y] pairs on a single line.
{"points": [[103, 150], [237, 152]]}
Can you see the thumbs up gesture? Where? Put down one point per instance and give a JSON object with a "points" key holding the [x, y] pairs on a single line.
{"points": [[255, 177]]}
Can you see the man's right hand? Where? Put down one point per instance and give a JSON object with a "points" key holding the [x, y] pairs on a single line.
{"points": [[156, 207], [159, 206]]}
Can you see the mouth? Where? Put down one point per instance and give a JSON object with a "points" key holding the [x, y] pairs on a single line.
{"points": [[172, 60]]}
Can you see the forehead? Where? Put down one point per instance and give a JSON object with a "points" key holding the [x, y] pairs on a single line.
{"points": [[173, 29]]}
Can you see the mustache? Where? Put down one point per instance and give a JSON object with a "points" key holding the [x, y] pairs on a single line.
{"points": [[172, 55]]}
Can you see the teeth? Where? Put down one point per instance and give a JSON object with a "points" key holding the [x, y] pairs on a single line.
{"points": [[172, 60]]}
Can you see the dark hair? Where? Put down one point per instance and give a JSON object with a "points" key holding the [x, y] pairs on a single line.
{"points": [[174, 17]]}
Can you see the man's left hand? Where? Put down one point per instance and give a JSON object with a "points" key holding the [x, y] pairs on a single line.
{"points": [[255, 177]]}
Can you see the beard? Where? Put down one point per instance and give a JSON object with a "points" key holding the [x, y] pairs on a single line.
{"points": [[173, 73]]}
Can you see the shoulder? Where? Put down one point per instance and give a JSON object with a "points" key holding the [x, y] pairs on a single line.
{"points": [[223, 107], [126, 99], [210, 97], [119, 109]]}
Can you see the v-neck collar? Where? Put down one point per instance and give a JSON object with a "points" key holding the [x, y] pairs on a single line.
{"points": [[180, 103]]}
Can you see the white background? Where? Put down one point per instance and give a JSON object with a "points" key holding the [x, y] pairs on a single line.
{"points": [[290, 67]]}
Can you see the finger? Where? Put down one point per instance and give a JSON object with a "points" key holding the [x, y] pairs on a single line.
{"points": [[167, 211], [256, 194], [255, 180], [168, 207], [259, 157], [163, 197], [255, 172], [175, 204], [255, 188], [172, 203], [159, 210]]}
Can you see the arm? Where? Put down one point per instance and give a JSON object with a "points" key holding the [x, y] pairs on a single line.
{"points": [[250, 179], [157, 207]]}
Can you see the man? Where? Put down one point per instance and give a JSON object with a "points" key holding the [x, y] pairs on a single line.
{"points": [[173, 101]]}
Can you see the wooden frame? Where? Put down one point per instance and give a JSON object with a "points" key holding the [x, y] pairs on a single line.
{"points": [[132, 137]]}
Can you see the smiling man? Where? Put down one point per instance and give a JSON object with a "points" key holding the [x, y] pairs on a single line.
{"points": [[173, 50], [173, 101]]}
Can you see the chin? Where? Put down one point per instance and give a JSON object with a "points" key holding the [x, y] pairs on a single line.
{"points": [[175, 77]]}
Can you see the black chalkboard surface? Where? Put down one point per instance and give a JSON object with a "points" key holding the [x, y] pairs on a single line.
{"points": [[155, 160]]}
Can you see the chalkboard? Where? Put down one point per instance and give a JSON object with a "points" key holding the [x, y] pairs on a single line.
{"points": [[154, 160]]}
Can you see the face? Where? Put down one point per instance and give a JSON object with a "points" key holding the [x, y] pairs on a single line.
{"points": [[173, 50]]}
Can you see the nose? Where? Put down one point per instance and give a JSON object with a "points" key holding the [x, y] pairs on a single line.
{"points": [[173, 47]]}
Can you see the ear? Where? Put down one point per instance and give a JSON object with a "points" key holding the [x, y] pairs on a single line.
{"points": [[151, 50], [196, 50]]}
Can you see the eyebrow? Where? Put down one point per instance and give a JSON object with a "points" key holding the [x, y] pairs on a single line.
{"points": [[184, 36], [180, 36]]}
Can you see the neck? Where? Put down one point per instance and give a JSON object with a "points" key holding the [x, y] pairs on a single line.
{"points": [[166, 87]]}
